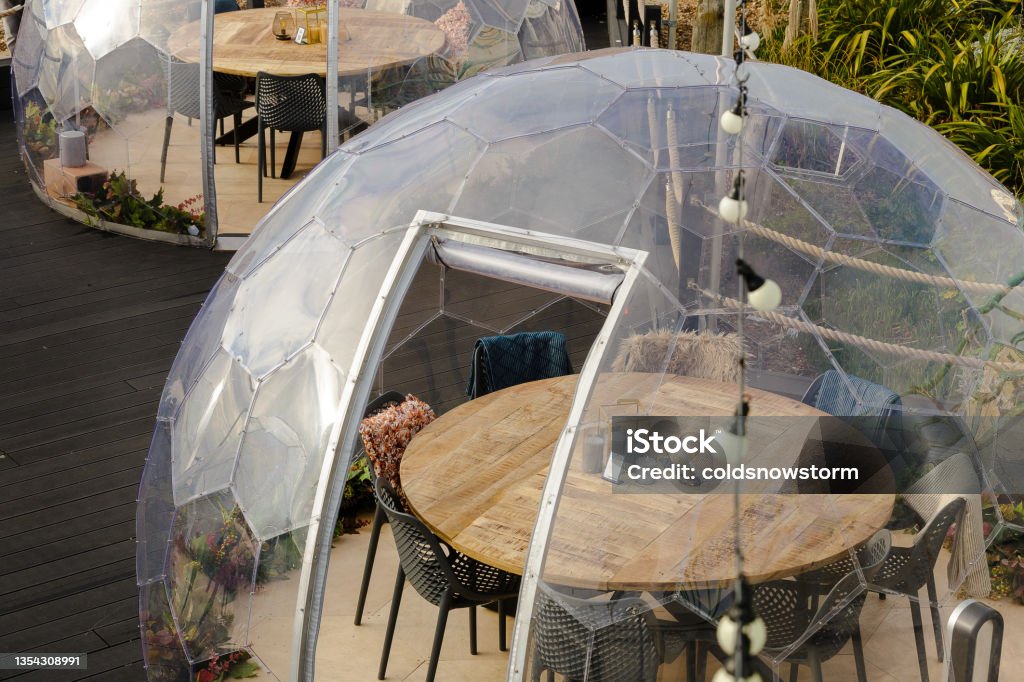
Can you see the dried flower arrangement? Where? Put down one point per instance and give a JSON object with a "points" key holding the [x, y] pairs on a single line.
{"points": [[386, 435], [455, 23]]}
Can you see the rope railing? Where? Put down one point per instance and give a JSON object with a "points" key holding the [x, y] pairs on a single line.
{"points": [[865, 265], [8, 12], [868, 343]]}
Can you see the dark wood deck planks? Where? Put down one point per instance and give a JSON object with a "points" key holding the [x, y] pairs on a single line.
{"points": [[89, 325]]}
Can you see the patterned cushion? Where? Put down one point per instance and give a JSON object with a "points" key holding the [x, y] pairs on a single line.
{"points": [[386, 435], [513, 359]]}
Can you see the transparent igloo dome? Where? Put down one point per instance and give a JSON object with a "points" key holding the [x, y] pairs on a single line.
{"points": [[580, 194], [126, 73]]}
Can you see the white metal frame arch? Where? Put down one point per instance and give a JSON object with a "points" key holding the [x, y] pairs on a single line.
{"points": [[419, 235]]}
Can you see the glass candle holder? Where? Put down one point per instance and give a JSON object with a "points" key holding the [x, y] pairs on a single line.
{"points": [[284, 24], [314, 21]]}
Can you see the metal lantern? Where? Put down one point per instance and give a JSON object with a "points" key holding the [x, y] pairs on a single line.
{"points": [[314, 21]]}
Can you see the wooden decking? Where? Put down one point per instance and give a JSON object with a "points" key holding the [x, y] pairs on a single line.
{"points": [[89, 325]]}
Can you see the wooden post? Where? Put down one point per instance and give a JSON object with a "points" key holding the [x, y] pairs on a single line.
{"points": [[800, 21], [707, 26]]}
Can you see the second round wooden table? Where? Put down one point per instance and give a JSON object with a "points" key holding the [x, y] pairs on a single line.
{"points": [[244, 43], [475, 477]]}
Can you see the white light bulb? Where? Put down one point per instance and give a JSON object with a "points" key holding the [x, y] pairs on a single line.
{"points": [[723, 675], [757, 635], [733, 447], [751, 41], [731, 122], [766, 297], [732, 210], [727, 633]]}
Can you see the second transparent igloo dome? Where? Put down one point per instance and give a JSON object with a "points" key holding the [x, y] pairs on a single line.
{"points": [[898, 260]]}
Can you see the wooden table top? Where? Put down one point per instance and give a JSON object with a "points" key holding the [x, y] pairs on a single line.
{"points": [[243, 43], [475, 477]]}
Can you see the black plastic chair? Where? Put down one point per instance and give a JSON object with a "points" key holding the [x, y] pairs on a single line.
{"points": [[907, 569], [442, 575], [783, 606], [294, 104], [183, 79], [379, 517], [606, 640], [868, 558]]}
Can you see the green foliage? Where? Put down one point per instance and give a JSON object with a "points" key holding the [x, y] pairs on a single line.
{"points": [[40, 132], [957, 65], [1006, 550], [119, 201]]}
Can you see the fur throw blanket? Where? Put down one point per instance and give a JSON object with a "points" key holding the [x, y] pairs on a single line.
{"points": [[706, 356]]}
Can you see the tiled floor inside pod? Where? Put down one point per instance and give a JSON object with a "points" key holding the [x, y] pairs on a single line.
{"points": [[347, 653]]}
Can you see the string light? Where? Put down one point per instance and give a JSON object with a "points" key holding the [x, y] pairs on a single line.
{"points": [[733, 207], [763, 294], [733, 119], [741, 633]]}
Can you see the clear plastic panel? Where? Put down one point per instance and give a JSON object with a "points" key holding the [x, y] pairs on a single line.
{"points": [[570, 98], [312, 249], [271, 618], [106, 25], [285, 443], [376, 195], [204, 336], [208, 428], [156, 508], [211, 569], [507, 178]]}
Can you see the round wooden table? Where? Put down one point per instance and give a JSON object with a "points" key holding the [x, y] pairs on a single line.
{"points": [[475, 477], [243, 43]]}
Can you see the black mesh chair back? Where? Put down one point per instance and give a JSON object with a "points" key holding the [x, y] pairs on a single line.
{"points": [[441, 575], [183, 82], [291, 103], [788, 615], [868, 558], [183, 98], [607, 640], [433, 568], [907, 570]]}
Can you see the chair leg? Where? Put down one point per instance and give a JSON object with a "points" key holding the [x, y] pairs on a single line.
{"points": [[794, 672], [691, 661], [389, 634], [936, 625], [237, 124], [472, 631], [273, 153], [858, 655], [815, 662], [442, 621], [915, 615], [701, 654], [371, 554], [261, 158], [501, 626], [167, 141]]}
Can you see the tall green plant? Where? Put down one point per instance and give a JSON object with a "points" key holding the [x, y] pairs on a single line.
{"points": [[954, 64]]}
